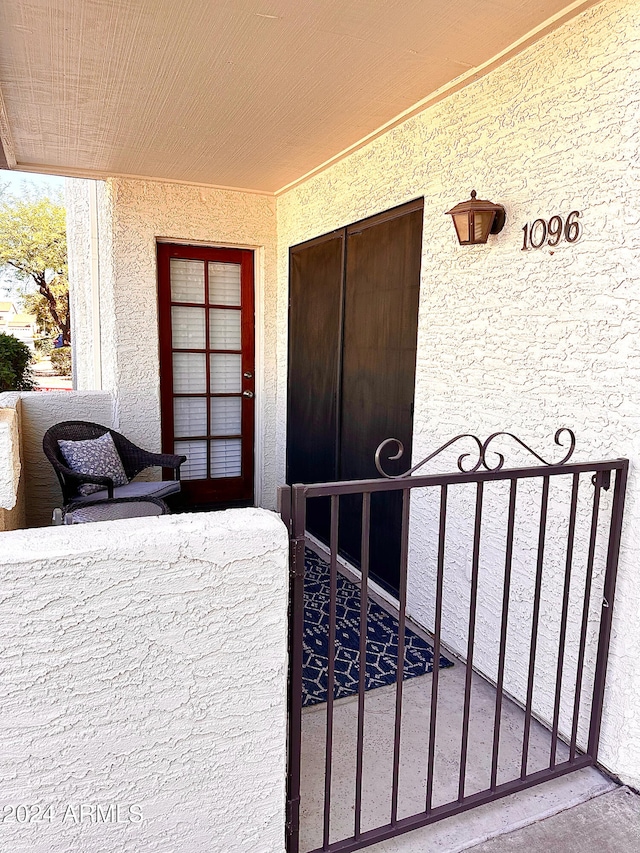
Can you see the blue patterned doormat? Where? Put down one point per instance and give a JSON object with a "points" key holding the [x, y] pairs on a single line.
{"points": [[382, 639]]}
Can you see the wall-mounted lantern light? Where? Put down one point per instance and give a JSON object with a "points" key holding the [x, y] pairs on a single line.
{"points": [[475, 219]]}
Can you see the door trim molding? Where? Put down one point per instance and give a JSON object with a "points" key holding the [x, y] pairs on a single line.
{"points": [[259, 341]]}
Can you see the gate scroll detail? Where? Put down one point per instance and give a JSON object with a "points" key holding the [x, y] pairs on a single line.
{"points": [[483, 447]]}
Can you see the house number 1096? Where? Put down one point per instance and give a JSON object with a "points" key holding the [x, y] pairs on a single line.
{"points": [[550, 231]]}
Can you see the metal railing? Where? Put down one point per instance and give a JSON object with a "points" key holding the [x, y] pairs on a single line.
{"points": [[544, 522]]}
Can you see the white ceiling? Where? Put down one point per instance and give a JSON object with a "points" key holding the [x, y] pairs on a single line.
{"points": [[250, 94]]}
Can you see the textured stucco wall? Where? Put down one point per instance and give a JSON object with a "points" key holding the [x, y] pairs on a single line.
{"points": [[145, 664], [12, 506], [133, 215], [77, 203], [79, 251], [39, 412], [526, 341]]}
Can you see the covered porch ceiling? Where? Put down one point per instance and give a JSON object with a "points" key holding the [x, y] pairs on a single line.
{"points": [[248, 94]]}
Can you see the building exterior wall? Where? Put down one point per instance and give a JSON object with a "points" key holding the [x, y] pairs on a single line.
{"points": [[145, 666], [82, 305], [526, 341], [133, 216]]}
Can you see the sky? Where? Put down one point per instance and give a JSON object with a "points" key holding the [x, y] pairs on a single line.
{"points": [[16, 181]]}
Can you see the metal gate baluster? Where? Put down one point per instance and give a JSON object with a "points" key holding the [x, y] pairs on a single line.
{"points": [[364, 595], [504, 626], [473, 603], [436, 648], [331, 651], [585, 614], [564, 619], [534, 627], [404, 559]]}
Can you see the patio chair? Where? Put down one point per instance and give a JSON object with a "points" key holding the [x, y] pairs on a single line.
{"points": [[134, 460]]}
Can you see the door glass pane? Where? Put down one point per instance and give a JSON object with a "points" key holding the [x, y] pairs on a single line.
{"points": [[187, 280], [224, 328], [226, 458], [187, 325], [189, 416], [226, 415], [195, 468], [189, 373], [226, 373], [224, 284]]}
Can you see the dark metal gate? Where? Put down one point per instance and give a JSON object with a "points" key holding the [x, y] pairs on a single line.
{"points": [[563, 517]]}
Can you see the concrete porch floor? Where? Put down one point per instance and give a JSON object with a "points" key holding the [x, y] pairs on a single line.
{"points": [[453, 834]]}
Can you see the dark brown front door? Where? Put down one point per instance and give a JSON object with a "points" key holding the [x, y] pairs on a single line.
{"points": [[353, 324], [207, 352]]}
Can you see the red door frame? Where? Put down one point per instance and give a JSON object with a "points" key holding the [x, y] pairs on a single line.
{"points": [[226, 489]]}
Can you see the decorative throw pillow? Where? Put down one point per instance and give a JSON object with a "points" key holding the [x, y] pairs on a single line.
{"points": [[94, 456]]}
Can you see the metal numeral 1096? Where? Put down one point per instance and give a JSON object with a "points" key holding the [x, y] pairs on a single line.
{"points": [[550, 231]]}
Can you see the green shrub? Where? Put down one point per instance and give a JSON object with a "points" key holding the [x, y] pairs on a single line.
{"points": [[15, 364], [61, 361], [44, 346]]}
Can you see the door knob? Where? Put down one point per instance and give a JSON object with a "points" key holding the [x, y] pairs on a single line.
{"points": [[248, 394], [248, 375]]}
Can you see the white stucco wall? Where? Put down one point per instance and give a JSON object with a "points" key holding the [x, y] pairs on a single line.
{"points": [[525, 341], [40, 411], [133, 215], [10, 466], [12, 511], [144, 665], [84, 270]]}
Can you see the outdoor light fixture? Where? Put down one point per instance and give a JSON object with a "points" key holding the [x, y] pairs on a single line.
{"points": [[476, 219]]}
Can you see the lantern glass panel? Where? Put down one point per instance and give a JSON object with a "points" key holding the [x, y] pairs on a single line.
{"points": [[483, 221], [461, 222]]}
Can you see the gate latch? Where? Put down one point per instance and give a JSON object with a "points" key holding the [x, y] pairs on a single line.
{"points": [[605, 480]]}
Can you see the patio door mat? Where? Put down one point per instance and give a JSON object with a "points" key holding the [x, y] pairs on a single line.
{"points": [[382, 639]]}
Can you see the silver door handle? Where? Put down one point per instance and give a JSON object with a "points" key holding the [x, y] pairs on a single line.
{"points": [[248, 394]]}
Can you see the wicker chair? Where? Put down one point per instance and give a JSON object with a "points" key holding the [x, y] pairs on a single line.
{"points": [[134, 460]]}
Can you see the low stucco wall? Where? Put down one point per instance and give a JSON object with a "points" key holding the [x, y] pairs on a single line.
{"points": [[144, 666], [12, 492], [40, 411]]}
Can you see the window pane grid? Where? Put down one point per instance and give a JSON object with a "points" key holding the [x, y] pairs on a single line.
{"points": [[225, 415], [206, 314], [195, 468], [225, 329], [225, 458], [188, 328], [187, 281], [189, 416], [225, 373], [189, 373], [224, 284]]}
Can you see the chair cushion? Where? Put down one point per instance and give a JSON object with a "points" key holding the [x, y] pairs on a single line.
{"points": [[112, 510], [96, 456], [156, 489]]}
